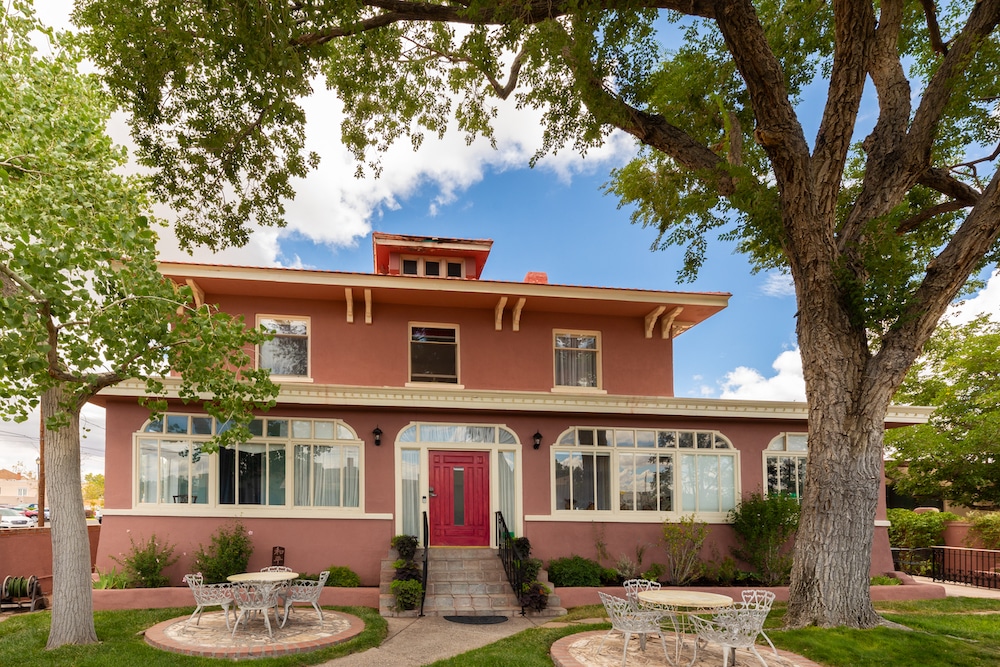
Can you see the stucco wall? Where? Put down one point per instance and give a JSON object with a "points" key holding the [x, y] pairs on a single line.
{"points": [[27, 552]]}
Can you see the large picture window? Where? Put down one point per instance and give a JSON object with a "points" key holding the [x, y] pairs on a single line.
{"points": [[577, 359], [433, 354], [785, 464], [287, 354], [644, 470], [325, 470]]}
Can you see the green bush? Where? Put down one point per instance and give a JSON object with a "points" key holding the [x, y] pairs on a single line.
{"points": [[405, 546], [145, 562], [909, 530], [112, 579], [342, 576], [575, 571], [885, 580], [535, 596], [683, 541], [229, 553], [765, 527], [408, 593], [530, 569], [986, 526]]}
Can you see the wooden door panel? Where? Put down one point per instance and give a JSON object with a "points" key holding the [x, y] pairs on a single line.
{"points": [[460, 500]]}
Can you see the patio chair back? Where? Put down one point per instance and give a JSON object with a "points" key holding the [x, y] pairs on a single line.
{"points": [[733, 627], [305, 590], [256, 596], [635, 586], [275, 568], [628, 621], [762, 599], [208, 595]]}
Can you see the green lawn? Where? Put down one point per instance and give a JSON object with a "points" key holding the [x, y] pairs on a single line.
{"points": [[23, 637], [964, 632]]}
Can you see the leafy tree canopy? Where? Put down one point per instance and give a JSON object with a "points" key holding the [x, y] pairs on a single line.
{"points": [[957, 455], [880, 218], [83, 305]]}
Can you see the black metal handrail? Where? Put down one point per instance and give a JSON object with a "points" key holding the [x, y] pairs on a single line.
{"points": [[978, 567], [423, 596], [512, 562]]}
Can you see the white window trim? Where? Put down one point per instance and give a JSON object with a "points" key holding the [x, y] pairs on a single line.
{"points": [[215, 508], [783, 436], [309, 341], [599, 352], [638, 516], [424, 447], [410, 382]]}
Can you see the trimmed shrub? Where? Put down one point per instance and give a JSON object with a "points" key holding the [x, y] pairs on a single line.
{"points": [[535, 596], [986, 527], [575, 571], [342, 576], [909, 530], [765, 526], [229, 553]]}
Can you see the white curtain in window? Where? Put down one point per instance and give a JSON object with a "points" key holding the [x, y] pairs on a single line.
{"points": [[506, 479], [352, 477], [411, 491], [303, 466], [327, 465]]}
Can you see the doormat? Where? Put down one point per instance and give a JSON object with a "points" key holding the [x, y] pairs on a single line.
{"points": [[476, 620]]}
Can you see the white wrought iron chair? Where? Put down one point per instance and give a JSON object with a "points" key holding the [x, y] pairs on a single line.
{"points": [[733, 628], [634, 586], [763, 599], [275, 568], [628, 621], [251, 597], [208, 595], [304, 590]]}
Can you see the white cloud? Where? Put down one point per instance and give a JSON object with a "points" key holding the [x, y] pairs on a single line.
{"points": [[985, 302], [749, 384], [778, 284]]}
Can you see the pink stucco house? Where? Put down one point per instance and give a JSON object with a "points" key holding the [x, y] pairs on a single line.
{"points": [[422, 388]]}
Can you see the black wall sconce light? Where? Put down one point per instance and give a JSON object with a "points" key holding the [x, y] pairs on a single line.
{"points": [[378, 436], [537, 439]]}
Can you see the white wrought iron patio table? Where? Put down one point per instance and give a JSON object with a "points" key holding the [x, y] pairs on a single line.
{"points": [[269, 581], [682, 603]]}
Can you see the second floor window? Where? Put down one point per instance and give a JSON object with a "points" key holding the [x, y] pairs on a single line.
{"points": [[577, 359], [287, 354], [433, 354]]}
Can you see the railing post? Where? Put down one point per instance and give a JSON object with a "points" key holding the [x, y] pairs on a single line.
{"points": [[423, 595]]}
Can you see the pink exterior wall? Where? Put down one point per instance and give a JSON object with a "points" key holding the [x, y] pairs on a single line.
{"points": [[632, 364]]}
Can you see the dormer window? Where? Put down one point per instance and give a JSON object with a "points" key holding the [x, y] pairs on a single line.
{"points": [[432, 267]]}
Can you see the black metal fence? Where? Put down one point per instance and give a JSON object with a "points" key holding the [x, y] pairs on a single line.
{"points": [[978, 567], [918, 562]]}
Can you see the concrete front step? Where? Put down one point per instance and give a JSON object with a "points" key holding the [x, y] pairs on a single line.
{"points": [[462, 581]]}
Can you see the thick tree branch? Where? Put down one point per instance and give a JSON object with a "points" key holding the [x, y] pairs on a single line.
{"points": [[940, 180], [945, 276], [932, 27], [500, 13], [854, 30], [889, 177], [916, 221]]}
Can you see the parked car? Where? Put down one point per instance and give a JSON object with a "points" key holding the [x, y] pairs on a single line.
{"points": [[10, 518]]}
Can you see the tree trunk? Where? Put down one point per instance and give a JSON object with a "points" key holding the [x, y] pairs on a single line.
{"points": [[72, 605], [847, 407]]}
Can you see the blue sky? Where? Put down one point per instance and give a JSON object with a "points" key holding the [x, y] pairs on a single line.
{"points": [[553, 218]]}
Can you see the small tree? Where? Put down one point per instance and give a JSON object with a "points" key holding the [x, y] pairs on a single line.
{"points": [[82, 305], [765, 526], [229, 553], [954, 456], [682, 541]]}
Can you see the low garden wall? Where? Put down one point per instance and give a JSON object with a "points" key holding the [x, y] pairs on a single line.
{"points": [[26, 552], [181, 596]]}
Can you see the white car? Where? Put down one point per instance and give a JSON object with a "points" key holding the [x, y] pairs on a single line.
{"points": [[13, 519]]}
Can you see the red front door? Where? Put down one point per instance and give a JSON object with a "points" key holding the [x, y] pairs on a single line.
{"points": [[460, 499]]}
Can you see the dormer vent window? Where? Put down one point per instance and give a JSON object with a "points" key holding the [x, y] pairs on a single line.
{"points": [[432, 267]]}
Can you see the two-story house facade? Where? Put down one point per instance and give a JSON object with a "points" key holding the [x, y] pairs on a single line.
{"points": [[421, 388]]}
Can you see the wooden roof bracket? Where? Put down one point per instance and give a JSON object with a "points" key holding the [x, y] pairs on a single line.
{"points": [[651, 319], [498, 313], [667, 323], [349, 297], [517, 313]]}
